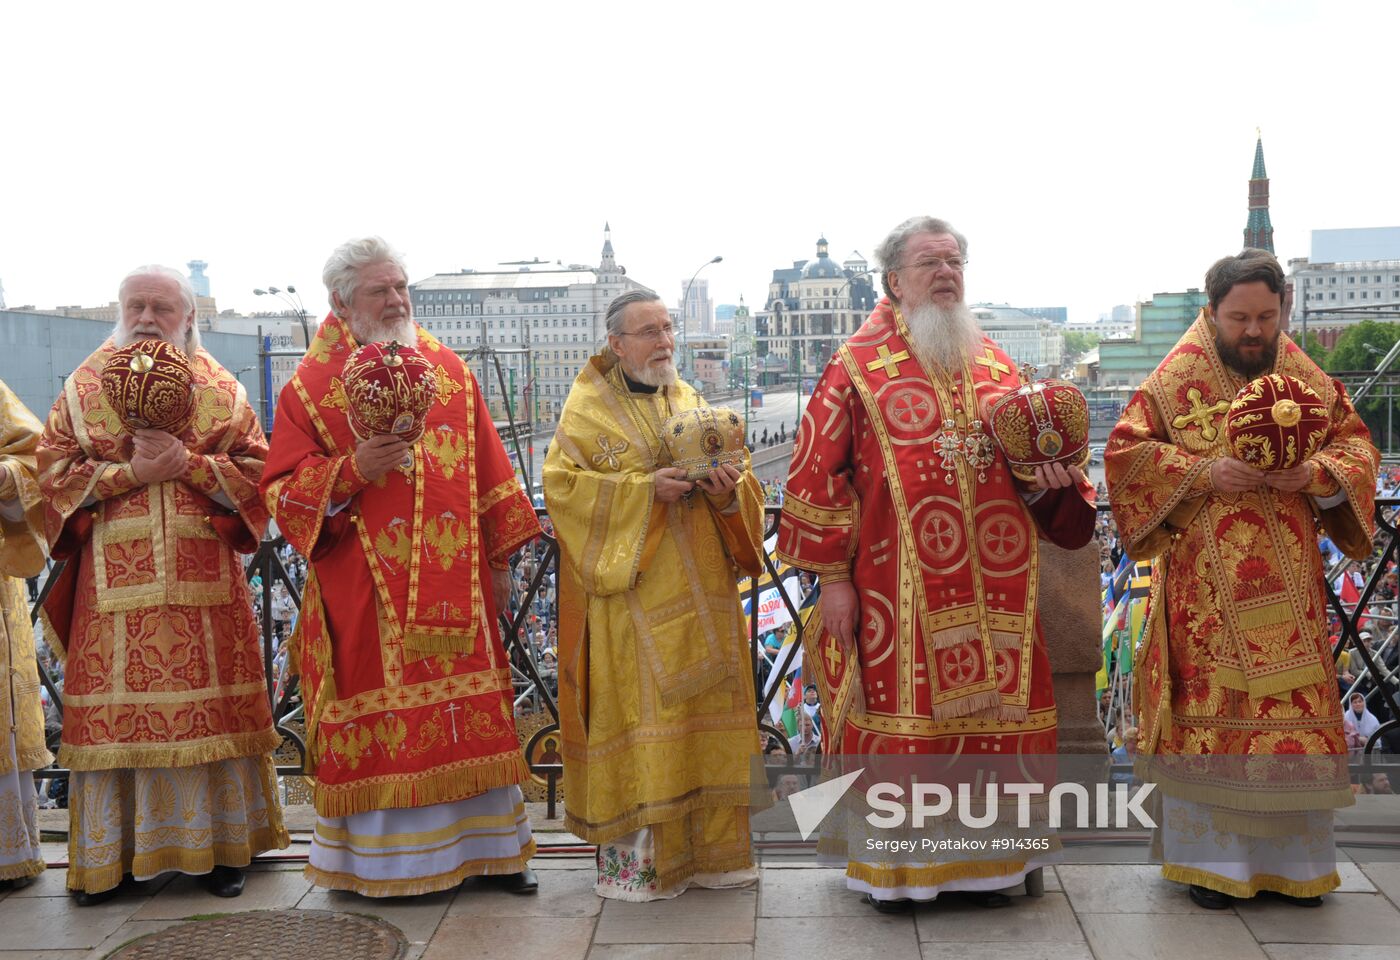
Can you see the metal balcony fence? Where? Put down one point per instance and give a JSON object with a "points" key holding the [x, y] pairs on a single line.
{"points": [[1377, 674]]}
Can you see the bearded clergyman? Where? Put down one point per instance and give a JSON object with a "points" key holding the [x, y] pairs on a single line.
{"points": [[1235, 685], [926, 634], [167, 726], [409, 705]]}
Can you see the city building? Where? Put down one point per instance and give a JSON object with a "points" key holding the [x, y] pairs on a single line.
{"points": [[724, 318], [697, 312], [1059, 315], [1350, 276], [1160, 323], [39, 349], [1120, 323], [541, 320], [812, 307], [1026, 337], [197, 278], [1258, 231]]}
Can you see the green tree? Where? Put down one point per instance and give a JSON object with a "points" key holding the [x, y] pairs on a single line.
{"points": [[1078, 343], [1313, 347], [1361, 348]]}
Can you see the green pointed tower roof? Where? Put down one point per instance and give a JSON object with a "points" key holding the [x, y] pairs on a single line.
{"points": [[1259, 173]]}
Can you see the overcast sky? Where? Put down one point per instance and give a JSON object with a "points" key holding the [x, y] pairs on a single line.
{"points": [[1093, 153]]}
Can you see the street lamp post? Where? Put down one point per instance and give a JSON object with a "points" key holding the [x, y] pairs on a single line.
{"points": [[298, 310], [685, 314]]}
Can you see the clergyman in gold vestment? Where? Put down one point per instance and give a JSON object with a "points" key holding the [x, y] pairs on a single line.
{"points": [[1240, 722], [22, 750], [656, 701]]}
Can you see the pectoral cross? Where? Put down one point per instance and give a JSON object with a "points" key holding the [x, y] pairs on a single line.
{"points": [[833, 658], [890, 361], [452, 708], [1200, 413], [994, 366]]}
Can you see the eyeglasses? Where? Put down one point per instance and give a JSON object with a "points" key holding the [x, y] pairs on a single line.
{"points": [[667, 332], [954, 264]]}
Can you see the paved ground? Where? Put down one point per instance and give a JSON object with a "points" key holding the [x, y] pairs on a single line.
{"points": [[1090, 910]]}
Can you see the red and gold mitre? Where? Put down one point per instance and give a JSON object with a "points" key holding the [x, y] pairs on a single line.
{"points": [[149, 385], [389, 388], [1039, 423], [700, 440], [1276, 422]]}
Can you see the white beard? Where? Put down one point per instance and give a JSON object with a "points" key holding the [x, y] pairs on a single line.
{"points": [[651, 376], [405, 331], [943, 336], [124, 336]]}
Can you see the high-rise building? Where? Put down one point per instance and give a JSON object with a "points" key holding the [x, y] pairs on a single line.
{"points": [[1059, 315], [197, 278], [1025, 336], [1258, 231], [697, 312], [812, 308], [724, 318], [544, 320], [1352, 275]]}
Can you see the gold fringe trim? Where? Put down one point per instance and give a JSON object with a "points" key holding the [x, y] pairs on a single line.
{"points": [[21, 870], [420, 790], [1011, 712], [1269, 615], [36, 758], [412, 887], [182, 859], [1006, 641], [1244, 797], [668, 880], [1255, 884], [692, 683], [964, 706], [967, 633], [427, 645], [1276, 683], [888, 877], [143, 755], [660, 812]]}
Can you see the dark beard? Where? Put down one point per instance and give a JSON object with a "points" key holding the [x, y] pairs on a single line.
{"points": [[1233, 360]]}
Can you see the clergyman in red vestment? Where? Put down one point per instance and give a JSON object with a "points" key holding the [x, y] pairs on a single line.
{"points": [[409, 703], [926, 638]]}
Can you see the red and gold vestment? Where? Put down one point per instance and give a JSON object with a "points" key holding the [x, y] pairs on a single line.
{"points": [[163, 662], [407, 685], [1235, 660], [941, 548]]}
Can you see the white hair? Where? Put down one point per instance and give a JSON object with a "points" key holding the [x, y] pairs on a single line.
{"points": [[123, 336], [891, 250], [342, 269], [946, 336]]}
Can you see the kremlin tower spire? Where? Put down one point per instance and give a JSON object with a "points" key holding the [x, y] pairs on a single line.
{"points": [[1258, 231]]}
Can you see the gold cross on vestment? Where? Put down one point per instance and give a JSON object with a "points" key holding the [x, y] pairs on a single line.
{"points": [[890, 361], [833, 658], [1202, 414], [994, 366]]}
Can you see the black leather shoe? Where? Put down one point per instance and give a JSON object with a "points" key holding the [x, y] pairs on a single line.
{"points": [[889, 906], [1211, 899], [987, 898], [224, 881], [16, 883], [523, 882], [84, 899]]}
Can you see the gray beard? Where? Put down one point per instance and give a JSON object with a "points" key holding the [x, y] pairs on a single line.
{"points": [[649, 376], [945, 337], [404, 331]]}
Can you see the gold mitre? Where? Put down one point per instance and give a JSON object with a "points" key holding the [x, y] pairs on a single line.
{"points": [[700, 440]]}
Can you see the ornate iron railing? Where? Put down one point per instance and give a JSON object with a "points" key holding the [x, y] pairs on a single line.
{"points": [[267, 565]]}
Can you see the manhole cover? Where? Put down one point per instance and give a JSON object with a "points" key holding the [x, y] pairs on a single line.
{"points": [[272, 935]]}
